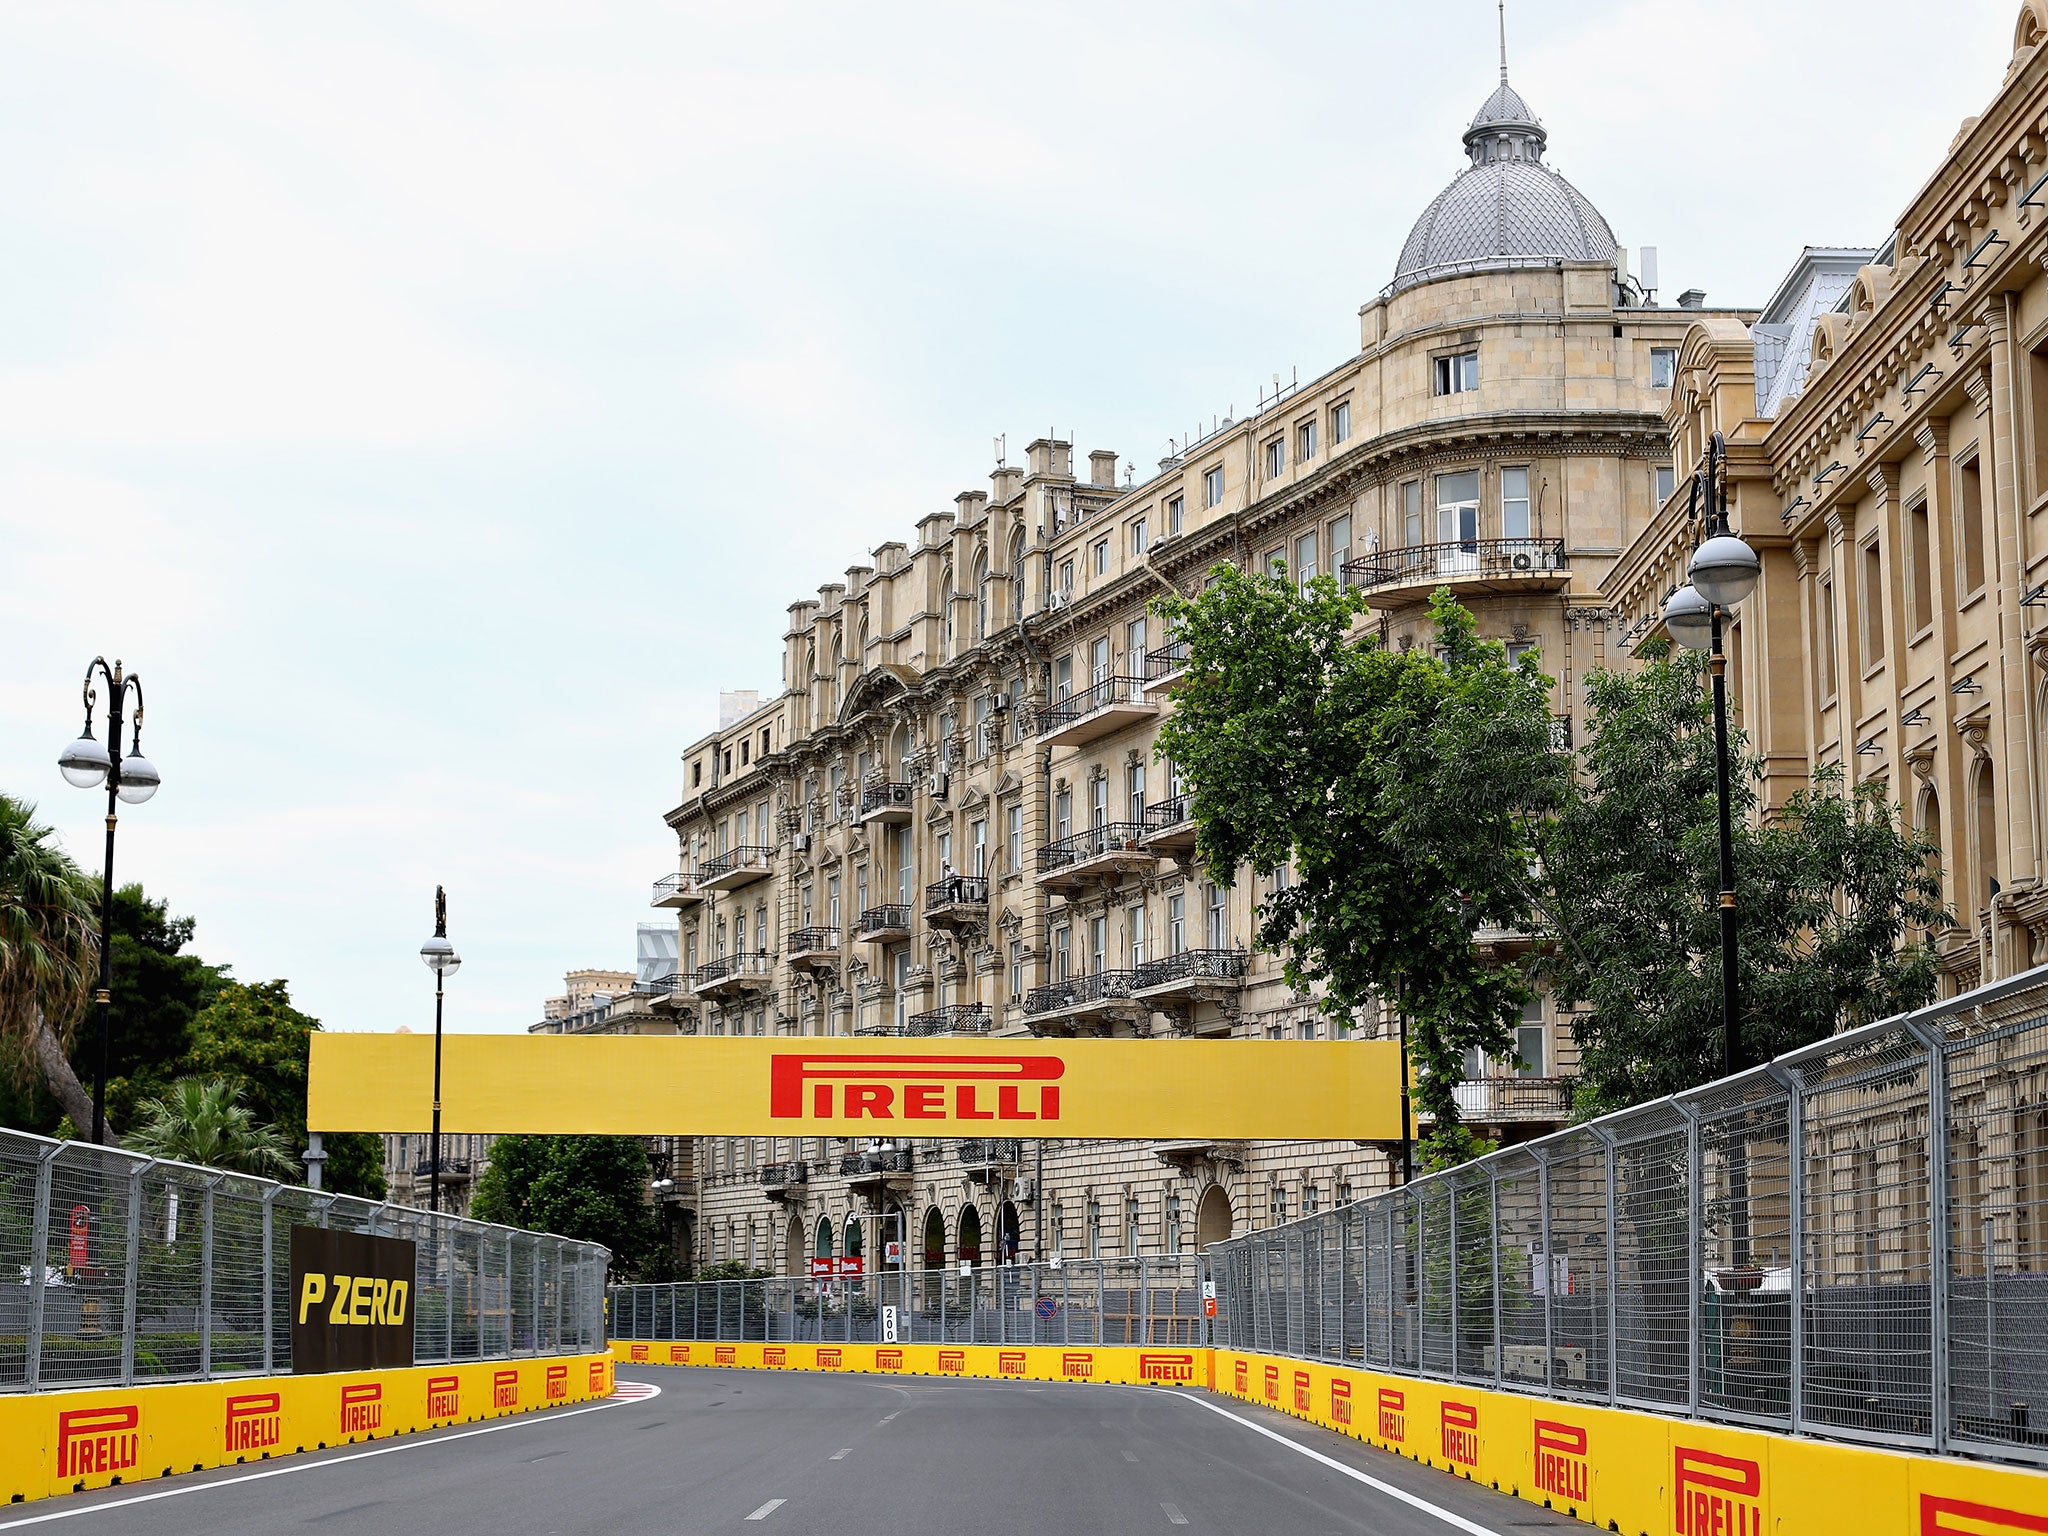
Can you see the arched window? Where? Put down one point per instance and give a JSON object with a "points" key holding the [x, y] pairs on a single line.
{"points": [[934, 1239], [1984, 815], [970, 1235], [981, 595], [823, 1249], [1016, 575]]}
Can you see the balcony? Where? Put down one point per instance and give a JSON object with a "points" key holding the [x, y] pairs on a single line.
{"points": [[1101, 855], [1093, 1003], [1193, 975], [1170, 826], [729, 871], [1467, 566], [960, 1019], [886, 804], [892, 1028], [676, 891], [874, 1173], [1185, 1153], [958, 901], [1165, 668], [883, 925], [733, 976], [815, 948], [668, 994], [1109, 705], [1516, 1100], [781, 1180], [988, 1157]]}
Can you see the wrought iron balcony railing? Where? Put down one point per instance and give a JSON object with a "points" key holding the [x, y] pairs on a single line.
{"points": [[1116, 836], [1079, 991], [1109, 691], [661, 986], [1169, 813], [1193, 965], [733, 862], [979, 1151], [959, 1019], [732, 968], [780, 1175], [957, 891], [812, 941], [1466, 558], [671, 890], [1167, 660], [883, 919], [1488, 1099], [868, 1164], [882, 796]]}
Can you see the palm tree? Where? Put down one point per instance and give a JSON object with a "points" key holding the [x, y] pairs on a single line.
{"points": [[204, 1121], [48, 951]]}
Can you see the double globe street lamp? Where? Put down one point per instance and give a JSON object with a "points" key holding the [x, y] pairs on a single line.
{"points": [[441, 959], [86, 764], [1723, 572]]}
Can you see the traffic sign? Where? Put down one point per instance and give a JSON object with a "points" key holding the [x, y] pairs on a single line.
{"points": [[1208, 1306], [1208, 1290], [892, 1252], [888, 1325], [1046, 1308]]}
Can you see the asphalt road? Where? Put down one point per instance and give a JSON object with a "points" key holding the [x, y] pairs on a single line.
{"points": [[802, 1454]]}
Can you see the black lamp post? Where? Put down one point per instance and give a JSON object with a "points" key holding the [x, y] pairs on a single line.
{"points": [[1724, 571], [86, 764], [441, 959]]}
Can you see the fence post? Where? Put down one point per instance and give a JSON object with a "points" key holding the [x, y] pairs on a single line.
{"points": [[1695, 1183], [444, 1239], [1613, 1168], [1451, 1252], [1549, 1269], [39, 1263], [269, 1279], [1938, 1235], [1500, 1338], [206, 1278], [1099, 1264], [132, 1276]]}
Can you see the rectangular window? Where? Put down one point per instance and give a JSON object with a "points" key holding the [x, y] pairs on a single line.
{"points": [[1098, 659], [1063, 814], [832, 902], [1062, 953], [1873, 606], [1016, 969], [1305, 441], [1411, 513], [1136, 774], [1138, 537], [1923, 568], [1131, 1225], [1098, 945], [1134, 927], [977, 842], [1276, 457], [1514, 503], [1176, 514], [983, 740], [1100, 557], [1457, 508], [1062, 678], [1212, 487], [1134, 647], [1666, 480], [1098, 802], [1529, 1045], [1276, 564], [1177, 923], [1219, 917], [1457, 373], [860, 887], [1663, 367], [1824, 598], [1013, 839], [1305, 559], [1340, 546], [1970, 525]]}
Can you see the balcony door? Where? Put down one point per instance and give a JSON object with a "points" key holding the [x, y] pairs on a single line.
{"points": [[1457, 522]]}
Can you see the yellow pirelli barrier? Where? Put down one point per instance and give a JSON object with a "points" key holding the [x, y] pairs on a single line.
{"points": [[67, 1442], [1124, 1365]]}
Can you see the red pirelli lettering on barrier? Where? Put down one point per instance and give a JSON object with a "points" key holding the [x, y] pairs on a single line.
{"points": [[1010, 1362], [1966, 1517], [724, 1354], [362, 1408], [253, 1421], [888, 1359], [1559, 1457], [1393, 1406], [1158, 1367], [1271, 1376], [1340, 1400], [444, 1397], [637, 1353], [1460, 1423], [91, 1441], [505, 1389], [1716, 1495], [1241, 1377], [558, 1383], [803, 1085], [1077, 1363], [828, 1359], [775, 1357], [597, 1377], [952, 1362], [1303, 1393]]}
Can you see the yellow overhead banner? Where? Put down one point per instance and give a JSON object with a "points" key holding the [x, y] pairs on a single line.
{"points": [[687, 1085]]}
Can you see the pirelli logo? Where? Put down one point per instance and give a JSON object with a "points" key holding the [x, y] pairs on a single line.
{"points": [[1010, 1362], [679, 1354], [1393, 1407], [888, 1359], [1460, 1424], [775, 1357], [362, 1408], [253, 1421], [444, 1397], [1153, 1367], [1304, 1401], [636, 1353], [1716, 1495], [505, 1389], [1272, 1382], [1559, 1457], [92, 1441], [597, 1378], [1340, 1400], [1077, 1364], [1963, 1517], [724, 1354], [952, 1362], [558, 1384], [828, 1359], [1241, 1377], [803, 1086]]}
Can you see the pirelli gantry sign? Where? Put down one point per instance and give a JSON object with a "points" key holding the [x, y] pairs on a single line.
{"points": [[688, 1085]]}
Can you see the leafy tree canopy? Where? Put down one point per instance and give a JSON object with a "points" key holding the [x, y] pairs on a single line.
{"points": [[205, 1121], [592, 1188]]}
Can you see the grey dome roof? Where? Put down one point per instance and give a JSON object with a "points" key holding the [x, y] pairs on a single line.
{"points": [[1507, 209]]}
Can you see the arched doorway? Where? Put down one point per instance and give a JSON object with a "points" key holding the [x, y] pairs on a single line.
{"points": [[1006, 1233], [793, 1248], [856, 1231], [970, 1235], [934, 1239], [1212, 1217], [823, 1247]]}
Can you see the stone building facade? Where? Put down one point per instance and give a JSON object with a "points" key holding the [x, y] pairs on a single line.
{"points": [[1887, 430], [951, 818]]}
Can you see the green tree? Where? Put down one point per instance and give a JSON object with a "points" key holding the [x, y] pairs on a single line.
{"points": [[1835, 897], [252, 1036], [592, 1188], [158, 989], [1400, 789], [204, 1121], [48, 957]]}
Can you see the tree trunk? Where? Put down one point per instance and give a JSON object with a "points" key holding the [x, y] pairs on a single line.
{"points": [[62, 1082]]}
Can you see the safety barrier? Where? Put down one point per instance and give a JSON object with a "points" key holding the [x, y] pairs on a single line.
{"points": [[1850, 1242], [117, 1268], [67, 1442], [1117, 1364]]}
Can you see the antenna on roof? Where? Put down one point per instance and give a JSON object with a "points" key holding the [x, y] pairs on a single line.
{"points": [[1002, 450], [1503, 41]]}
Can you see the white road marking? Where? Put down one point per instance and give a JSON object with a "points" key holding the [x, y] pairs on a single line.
{"points": [[1174, 1515], [1130, 1455], [414, 1443], [840, 1455], [1400, 1495], [886, 1418], [767, 1509]]}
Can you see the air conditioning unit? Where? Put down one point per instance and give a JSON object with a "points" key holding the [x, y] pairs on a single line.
{"points": [[1025, 1192], [801, 842], [998, 702], [1057, 600], [940, 784]]}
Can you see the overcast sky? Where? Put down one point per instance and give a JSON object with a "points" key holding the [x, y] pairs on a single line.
{"points": [[440, 403]]}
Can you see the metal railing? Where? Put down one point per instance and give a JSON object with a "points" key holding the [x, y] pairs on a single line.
{"points": [[957, 891], [117, 1268], [1490, 1100], [871, 1164], [1167, 660], [1100, 695], [1461, 558], [661, 986], [893, 918], [732, 968], [1851, 1241], [781, 1175], [883, 796], [669, 886], [755, 858], [1177, 810], [1192, 965], [957, 1019], [1114, 837], [813, 941], [981, 1151], [1077, 991], [1155, 1300]]}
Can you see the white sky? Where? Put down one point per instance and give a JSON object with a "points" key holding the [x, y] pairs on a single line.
{"points": [[440, 403]]}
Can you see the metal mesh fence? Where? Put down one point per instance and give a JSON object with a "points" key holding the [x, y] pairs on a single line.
{"points": [[1851, 1241], [116, 1268]]}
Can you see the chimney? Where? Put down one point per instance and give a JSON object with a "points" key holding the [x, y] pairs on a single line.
{"points": [[1693, 298], [1009, 484], [969, 505], [1049, 458], [1102, 466]]}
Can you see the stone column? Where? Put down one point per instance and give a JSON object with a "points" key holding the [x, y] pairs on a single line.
{"points": [[2009, 582]]}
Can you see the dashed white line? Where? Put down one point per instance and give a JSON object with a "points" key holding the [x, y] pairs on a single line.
{"points": [[885, 1419], [1174, 1514], [767, 1509], [841, 1455]]}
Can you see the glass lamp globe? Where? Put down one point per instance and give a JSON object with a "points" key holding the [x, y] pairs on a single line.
{"points": [[84, 763], [1690, 619], [138, 779], [440, 956], [1724, 570]]}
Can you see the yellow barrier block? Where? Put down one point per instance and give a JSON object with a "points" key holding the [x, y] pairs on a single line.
{"points": [[1124, 1364]]}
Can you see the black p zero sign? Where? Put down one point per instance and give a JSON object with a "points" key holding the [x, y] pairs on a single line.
{"points": [[351, 1301]]}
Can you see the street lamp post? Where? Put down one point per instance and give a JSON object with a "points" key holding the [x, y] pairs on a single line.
{"points": [[441, 959], [86, 764]]}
